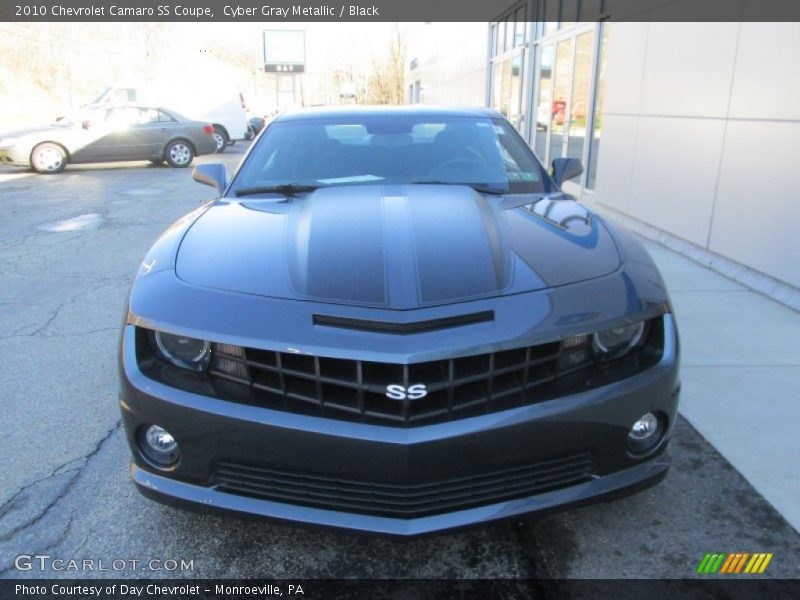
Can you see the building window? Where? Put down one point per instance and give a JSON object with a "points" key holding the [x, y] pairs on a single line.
{"points": [[519, 27], [415, 92], [600, 95], [558, 115], [561, 14], [508, 39], [500, 47], [579, 103], [569, 86], [509, 32], [544, 102]]}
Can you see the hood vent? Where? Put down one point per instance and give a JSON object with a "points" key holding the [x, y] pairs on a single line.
{"points": [[404, 328]]}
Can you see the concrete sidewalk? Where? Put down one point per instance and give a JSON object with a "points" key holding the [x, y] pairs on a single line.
{"points": [[740, 369]]}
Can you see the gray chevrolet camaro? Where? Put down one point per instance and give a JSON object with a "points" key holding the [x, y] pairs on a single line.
{"points": [[392, 320], [109, 134]]}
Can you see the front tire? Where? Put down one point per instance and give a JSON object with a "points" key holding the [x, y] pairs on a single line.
{"points": [[48, 158], [221, 138], [179, 154]]}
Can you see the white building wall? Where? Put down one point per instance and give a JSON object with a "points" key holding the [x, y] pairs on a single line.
{"points": [[701, 137], [451, 62]]}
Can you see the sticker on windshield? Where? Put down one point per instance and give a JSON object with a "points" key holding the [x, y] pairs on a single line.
{"points": [[523, 176], [351, 179]]}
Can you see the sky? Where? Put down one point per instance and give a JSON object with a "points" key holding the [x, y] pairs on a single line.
{"points": [[51, 69]]}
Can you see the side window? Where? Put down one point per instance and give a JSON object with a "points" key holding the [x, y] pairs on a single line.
{"points": [[149, 115], [121, 117], [164, 117]]}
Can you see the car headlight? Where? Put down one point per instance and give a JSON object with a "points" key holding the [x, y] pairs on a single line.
{"points": [[182, 351], [616, 342]]}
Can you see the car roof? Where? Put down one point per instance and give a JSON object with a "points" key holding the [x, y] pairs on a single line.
{"points": [[125, 105], [174, 114], [408, 110]]}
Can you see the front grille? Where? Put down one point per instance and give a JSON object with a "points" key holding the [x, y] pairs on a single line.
{"points": [[356, 390], [400, 500], [457, 388]]}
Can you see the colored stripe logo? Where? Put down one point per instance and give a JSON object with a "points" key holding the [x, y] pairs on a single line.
{"points": [[732, 563]]}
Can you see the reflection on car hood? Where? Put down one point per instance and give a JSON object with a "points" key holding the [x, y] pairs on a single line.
{"points": [[394, 246], [19, 133]]}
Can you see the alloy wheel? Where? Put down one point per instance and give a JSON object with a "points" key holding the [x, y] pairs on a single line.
{"points": [[180, 154], [49, 159]]}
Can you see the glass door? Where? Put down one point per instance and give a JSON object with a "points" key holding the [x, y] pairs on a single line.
{"points": [[509, 56], [507, 90], [565, 96], [515, 91], [579, 98], [560, 103], [544, 100]]}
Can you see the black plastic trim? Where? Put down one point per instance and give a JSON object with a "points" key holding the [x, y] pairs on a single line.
{"points": [[404, 328]]}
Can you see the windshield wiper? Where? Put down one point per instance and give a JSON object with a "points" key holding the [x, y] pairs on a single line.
{"points": [[483, 188], [287, 189]]}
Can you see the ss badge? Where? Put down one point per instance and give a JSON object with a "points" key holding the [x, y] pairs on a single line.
{"points": [[412, 392]]}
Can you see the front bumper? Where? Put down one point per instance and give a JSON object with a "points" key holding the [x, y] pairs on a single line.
{"points": [[211, 430], [14, 155], [185, 495]]}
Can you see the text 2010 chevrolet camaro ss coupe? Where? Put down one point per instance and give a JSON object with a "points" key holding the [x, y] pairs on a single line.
{"points": [[392, 320]]}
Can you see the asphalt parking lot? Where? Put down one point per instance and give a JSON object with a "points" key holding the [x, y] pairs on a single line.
{"points": [[71, 244]]}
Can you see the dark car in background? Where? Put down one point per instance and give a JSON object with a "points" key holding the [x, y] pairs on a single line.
{"points": [[256, 124], [109, 134], [393, 320]]}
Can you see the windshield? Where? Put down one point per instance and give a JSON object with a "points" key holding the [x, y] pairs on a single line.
{"points": [[389, 149]]}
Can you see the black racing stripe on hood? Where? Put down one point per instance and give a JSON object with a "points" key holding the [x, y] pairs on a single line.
{"points": [[460, 247], [336, 248]]}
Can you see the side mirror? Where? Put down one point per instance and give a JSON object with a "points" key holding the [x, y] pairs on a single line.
{"points": [[213, 174], [564, 169]]}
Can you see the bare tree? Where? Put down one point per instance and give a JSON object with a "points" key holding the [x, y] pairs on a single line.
{"points": [[385, 81]]}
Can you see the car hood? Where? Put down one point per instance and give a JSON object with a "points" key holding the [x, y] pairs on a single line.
{"points": [[19, 134], [398, 247]]}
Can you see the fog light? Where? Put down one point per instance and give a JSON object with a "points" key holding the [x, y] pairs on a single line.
{"points": [[644, 427], [645, 433], [159, 446]]}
